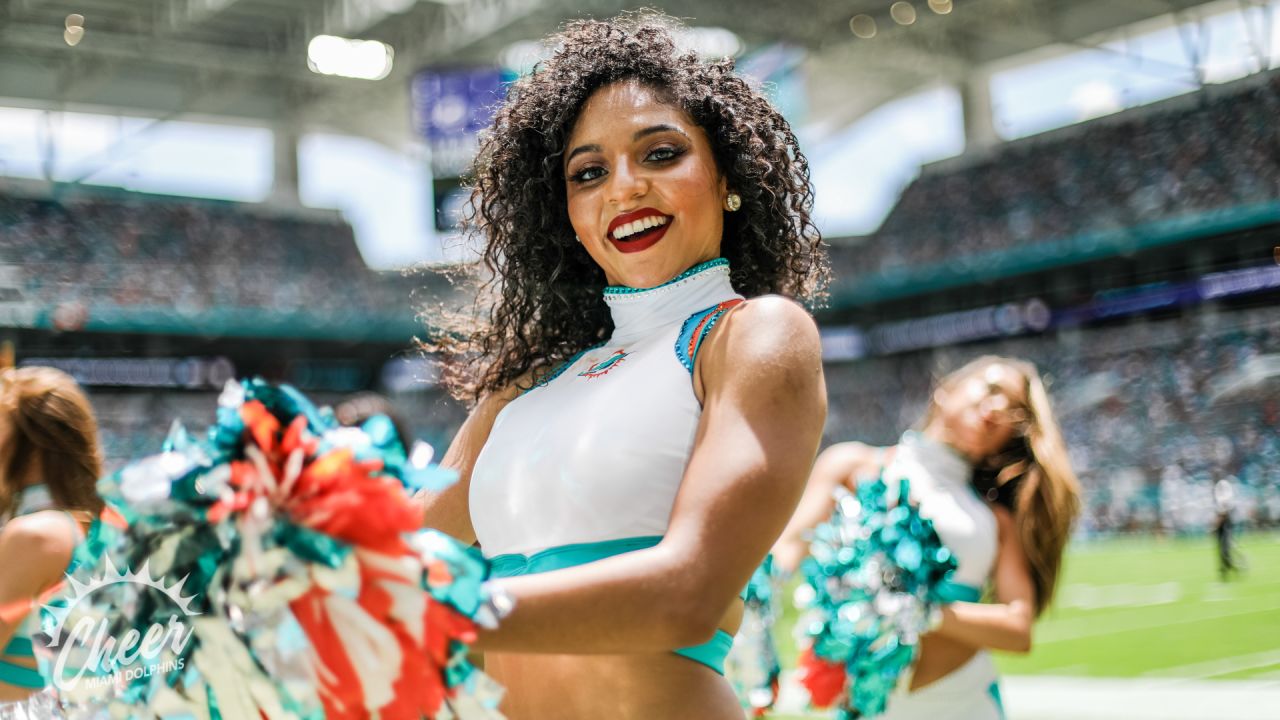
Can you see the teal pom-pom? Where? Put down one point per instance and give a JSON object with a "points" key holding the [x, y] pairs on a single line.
{"points": [[870, 579]]}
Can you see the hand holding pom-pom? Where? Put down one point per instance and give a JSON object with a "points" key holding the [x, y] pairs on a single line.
{"points": [[310, 590], [872, 579]]}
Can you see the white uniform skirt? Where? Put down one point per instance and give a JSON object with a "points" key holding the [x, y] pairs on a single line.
{"points": [[970, 692]]}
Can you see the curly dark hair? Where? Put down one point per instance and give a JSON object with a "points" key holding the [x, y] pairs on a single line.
{"points": [[544, 291]]}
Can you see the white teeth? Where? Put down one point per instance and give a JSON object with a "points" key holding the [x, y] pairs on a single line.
{"points": [[645, 223]]}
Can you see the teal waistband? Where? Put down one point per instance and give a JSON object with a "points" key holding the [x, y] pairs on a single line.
{"points": [[564, 556], [18, 675], [712, 654], [949, 592], [20, 646], [23, 677]]}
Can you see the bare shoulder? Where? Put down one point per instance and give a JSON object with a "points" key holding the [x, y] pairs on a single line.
{"points": [[768, 342], [850, 461], [850, 454], [46, 539], [492, 403], [773, 326]]}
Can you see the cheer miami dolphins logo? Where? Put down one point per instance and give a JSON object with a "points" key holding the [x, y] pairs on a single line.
{"points": [[604, 366], [87, 648]]}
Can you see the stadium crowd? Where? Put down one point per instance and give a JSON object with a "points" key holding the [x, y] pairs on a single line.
{"points": [[134, 423], [1197, 153], [189, 256]]}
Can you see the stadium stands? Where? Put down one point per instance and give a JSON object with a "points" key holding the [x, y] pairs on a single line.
{"points": [[1185, 159], [132, 262]]}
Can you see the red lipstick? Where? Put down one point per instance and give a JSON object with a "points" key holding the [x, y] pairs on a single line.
{"points": [[642, 239]]}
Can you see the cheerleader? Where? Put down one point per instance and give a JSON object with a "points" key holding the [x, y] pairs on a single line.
{"points": [[49, 463], [650, 403], [990, 469]]}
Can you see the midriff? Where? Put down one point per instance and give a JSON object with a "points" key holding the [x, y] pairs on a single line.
{"points": [[637, 686], [939, 657], [13, 693]]}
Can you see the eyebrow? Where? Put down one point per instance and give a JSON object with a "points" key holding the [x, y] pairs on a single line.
{"points": [[642, 133]]}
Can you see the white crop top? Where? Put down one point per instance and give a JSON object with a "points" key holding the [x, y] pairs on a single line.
{"points": [[597, 452], [940, 486]]}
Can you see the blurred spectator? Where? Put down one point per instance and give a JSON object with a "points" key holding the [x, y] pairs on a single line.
{"points": [[1224, 500]]}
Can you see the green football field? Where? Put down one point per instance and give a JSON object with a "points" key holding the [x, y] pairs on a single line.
{"points": [[1151, 607]]}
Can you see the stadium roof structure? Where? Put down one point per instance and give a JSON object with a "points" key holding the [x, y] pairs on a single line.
{"points": [[247, 58]]}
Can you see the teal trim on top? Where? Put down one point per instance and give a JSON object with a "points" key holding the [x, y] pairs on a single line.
{"points": [[949, 592], [561, 369], [711, 653], [994, 691], [871, 288], [558, 558], [686, 345], [624, 290], [20, 646]]}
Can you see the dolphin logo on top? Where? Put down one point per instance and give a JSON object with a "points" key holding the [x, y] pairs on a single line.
{"points": [[599, 369]]}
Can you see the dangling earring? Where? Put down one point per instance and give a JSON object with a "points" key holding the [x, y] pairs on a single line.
{"points": [[575, 237], [732, 202]]}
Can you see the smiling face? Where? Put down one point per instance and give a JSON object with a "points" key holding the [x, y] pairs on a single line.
{"points": [[980, 413], [645, 196]]}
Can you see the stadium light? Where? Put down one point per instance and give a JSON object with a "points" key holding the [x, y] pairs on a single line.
{"points": [[903, 13], [1096, 98], [710, 42], [74, 31], [864, 26], [360, 59], [941, 7]]}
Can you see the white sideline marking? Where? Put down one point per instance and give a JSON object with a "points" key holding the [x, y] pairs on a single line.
{"points": [[1068, 698], [1221, 666], [1059, 698], [1093, 597], [1078, 628]]}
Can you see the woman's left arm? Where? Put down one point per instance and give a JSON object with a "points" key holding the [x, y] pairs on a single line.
{"points": [[764, 406], [1005, 624]]}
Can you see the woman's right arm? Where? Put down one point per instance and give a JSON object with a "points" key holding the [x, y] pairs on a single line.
{"points": [[840, 464], [448, 510]]}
